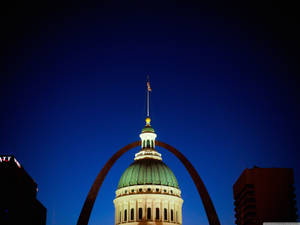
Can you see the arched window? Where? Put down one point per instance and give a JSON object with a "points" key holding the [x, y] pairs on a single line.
{"points": [[125, 215], [165, 214], [172, 216], [157, 214], [120, 217], [140, 213], [132, 214], [152, 145], [148, 213], [144, 144], [148, 144], [176, 217]]}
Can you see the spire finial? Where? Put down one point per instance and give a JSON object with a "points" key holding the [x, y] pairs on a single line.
{"points": [[148, 105]]}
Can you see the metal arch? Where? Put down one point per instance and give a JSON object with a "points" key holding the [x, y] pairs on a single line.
{"points": [[206, 200], [92, 195]]}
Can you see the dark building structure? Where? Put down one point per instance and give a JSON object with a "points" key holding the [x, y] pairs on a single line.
{"points": [[18, 204], [265, 195]]}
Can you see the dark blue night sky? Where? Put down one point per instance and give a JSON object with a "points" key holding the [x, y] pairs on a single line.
{"points": [[73, 92]]}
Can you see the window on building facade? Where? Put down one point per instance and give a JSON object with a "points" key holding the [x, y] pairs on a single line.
{"points": [[140, 213], [125, 215], [165, 214], [148, 213], [157, 214], [132, 214], [120, 217], [172, 216]]}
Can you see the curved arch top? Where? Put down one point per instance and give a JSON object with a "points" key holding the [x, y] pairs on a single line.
{"points": [[92, 195]]}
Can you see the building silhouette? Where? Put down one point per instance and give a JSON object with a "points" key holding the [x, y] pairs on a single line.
{"points": [[265, 195], [18, 190]]}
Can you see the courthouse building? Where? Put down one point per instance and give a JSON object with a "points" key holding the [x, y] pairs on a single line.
{"points": [[148, 191]]}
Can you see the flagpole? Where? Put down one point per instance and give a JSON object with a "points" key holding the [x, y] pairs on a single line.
{"points": [[148, 103], [148, 96]]}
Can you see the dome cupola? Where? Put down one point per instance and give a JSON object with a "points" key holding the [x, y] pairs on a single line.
{"points": [[148, 143]]}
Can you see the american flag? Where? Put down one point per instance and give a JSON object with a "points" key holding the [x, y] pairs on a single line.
{"points": [[148, 86]]}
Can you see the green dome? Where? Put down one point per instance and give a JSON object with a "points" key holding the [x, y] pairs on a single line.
{"points": [[148, 128], [148, 171]]}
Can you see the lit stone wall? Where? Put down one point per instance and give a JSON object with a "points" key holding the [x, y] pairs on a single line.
{"points": [[137, 204]]}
